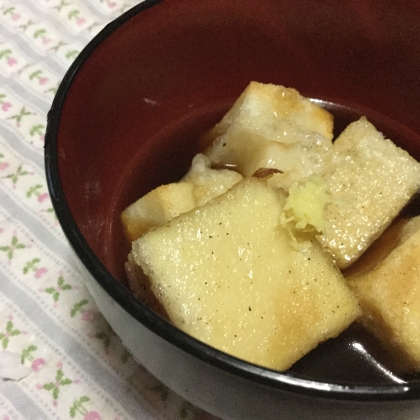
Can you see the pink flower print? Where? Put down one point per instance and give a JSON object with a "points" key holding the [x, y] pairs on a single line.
{"points": [[27, 354], [88, 315], [11, 61], [33, 265], [3, 166], [78, 407], [111, 4], [15, 16], [75, 14], [42, 197], [40, 272], [5, 106], [37, 74], [92, 415], [35, 191], [45, 40], [37, 364]]}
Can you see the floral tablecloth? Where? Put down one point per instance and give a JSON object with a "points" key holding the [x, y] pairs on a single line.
{"points": [[67, 362]]}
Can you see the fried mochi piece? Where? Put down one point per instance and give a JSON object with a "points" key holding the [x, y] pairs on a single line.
{"points": [[389, 295], [199, 185], [370, 180], [227, 274]]}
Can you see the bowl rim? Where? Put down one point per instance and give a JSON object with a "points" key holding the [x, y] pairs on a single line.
{"points": [[284, 381]]}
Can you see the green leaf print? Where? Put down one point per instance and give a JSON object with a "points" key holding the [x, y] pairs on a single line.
{"points": [[77, 307], [78, 407], [17, 175], [35, 74], [58, 46], [10, 249], [38, 33], [62, 284], [10, 332], [62, 4], [33, 191], [52, 90], [104, 337], [51, 291], [72, 54], [5, 53], [9, 10], [56, 291], [162, 391], [73, 14], [4, 341], [31, 265], [185, 410], [49, 386], [22, 113], [26, 353], [37, 129], [60, 380], [29, 23], [55, 392]]}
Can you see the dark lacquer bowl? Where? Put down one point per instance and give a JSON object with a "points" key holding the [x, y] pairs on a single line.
{"points": [[126, 119]]}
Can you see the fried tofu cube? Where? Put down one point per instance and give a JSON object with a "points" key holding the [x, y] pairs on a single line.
{"points": [[271, 126], [370, 181], [389, 295], [199, 185], [227, 274]]}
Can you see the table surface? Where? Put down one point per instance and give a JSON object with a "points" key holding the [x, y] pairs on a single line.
{"points": [[48, 320]]}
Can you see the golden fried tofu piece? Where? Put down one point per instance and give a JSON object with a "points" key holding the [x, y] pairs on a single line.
{"points": [[162, 204], [389, 295], [156, 208], [272, 126], [370, 181], [227, 274]]}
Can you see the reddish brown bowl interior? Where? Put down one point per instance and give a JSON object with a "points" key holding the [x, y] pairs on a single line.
{"points": [[132, 116]]}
